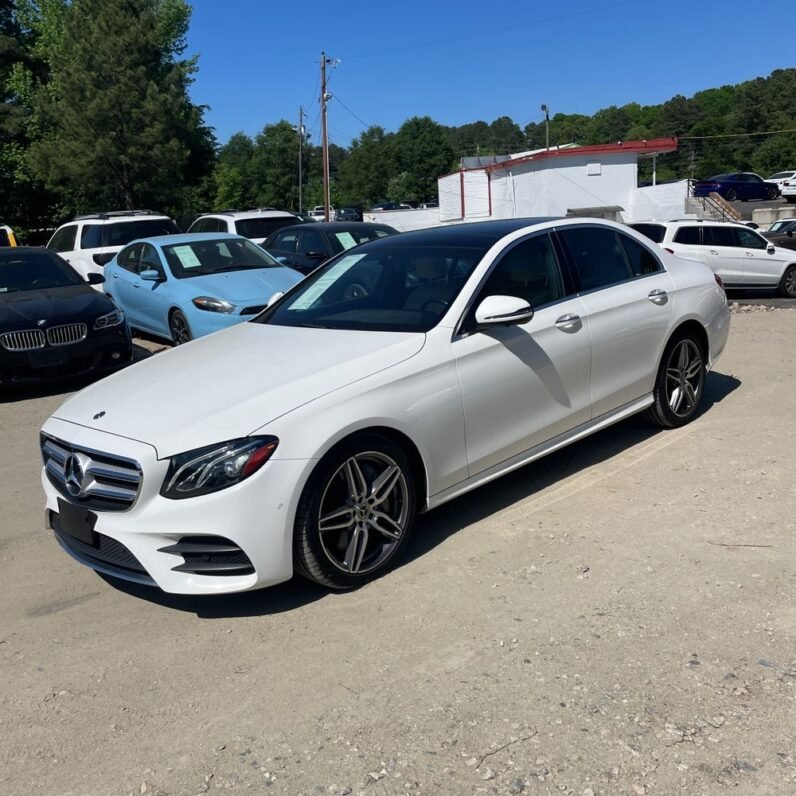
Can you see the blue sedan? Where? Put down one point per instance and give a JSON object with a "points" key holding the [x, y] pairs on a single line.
{"points": [[742, 186], [186, 286]]}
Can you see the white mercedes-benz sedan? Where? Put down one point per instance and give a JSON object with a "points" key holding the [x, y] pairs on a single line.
{"points": [[398, 376]]}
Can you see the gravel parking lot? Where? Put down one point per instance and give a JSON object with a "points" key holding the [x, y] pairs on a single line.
{"points": [[616, 619]]}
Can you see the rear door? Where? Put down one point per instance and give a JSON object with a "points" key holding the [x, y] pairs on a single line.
{"points": [[627, 301], [125, 284], [724, 253]]}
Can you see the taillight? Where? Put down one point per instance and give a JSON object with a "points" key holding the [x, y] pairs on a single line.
{"points": [[718, 281], [667, 249]]}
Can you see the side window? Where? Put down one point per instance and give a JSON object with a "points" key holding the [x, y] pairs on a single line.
{"points": [[311, 241], [749, 240], [150, 260], [128, 258], [4, 239], [64, 239], [642, 260], [528, 271], [597, 255], [285, 242], [91, 236], [687, 235], [720, 236]]}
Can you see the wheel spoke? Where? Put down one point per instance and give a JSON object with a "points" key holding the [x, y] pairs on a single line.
{"points": [[676, 399], [385, 525], [356, 549], [355, 478], [336, 520], [383, 485], [682, 359], [690, 395], [694, 368], [673, 374]]}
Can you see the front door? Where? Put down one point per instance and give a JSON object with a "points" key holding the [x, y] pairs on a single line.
{"points": [[523, 385], [761, 266]]}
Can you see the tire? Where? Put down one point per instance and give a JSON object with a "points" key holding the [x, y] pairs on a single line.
{"points": [[732, 195], [364, 491], [773, 192], [787, 285], [680, 382], [791, 200], [179, 329]]}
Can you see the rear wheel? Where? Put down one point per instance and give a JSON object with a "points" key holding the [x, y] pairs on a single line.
{"points": [[680, 382], [178, 326], [731, 195], [356, 513], [787, 285]]}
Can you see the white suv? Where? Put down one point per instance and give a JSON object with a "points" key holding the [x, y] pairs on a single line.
{"points": [[256, 225], [740, 256], [89, 242]]}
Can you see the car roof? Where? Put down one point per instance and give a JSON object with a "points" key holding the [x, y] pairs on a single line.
{"points": [[119, 215], [237, 215], [186, 237], [340, 226]]}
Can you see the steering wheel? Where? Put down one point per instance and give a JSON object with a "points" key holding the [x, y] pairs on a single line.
{"points": [[442, 302], [354, 291]]}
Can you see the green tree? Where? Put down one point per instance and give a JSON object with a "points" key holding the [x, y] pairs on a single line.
{"points": [[274, 166], [118, 127], [366, 172], [423, 149]]}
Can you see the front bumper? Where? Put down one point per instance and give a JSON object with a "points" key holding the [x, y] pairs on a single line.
{"points": [[100, 351], [256, 516]]}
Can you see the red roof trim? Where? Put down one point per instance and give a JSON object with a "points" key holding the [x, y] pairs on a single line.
{"points": [[650, 146]]}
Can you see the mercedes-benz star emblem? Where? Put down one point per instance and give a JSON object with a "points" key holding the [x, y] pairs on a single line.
{"points": [[74, 475]]}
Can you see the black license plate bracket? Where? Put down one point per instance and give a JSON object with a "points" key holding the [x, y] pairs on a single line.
{"points": [[77, 522]]}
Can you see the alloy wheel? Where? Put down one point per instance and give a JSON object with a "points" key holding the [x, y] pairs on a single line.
{"points": [[685, 377], [789, 283], [180, 333], [364, 512]]}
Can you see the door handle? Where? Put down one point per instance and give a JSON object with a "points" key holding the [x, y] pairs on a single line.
{"points": [[136, 284], [569, 322], [749, 254], [658, 296], [714, 252], [116, 276]]}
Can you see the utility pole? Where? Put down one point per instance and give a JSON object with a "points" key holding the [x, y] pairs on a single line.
{"points": [[324, 137], [546, 112], [301, 159]]}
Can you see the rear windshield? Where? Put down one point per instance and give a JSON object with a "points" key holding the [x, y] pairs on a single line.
{"points": [[96, 236], [262, 227], [654, 232]]}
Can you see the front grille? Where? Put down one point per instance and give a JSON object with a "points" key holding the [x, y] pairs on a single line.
{"points": [[91, 479], [34, 339], [28, 340], [67, 334], [210, 555], [253, 310], [106, 551]]}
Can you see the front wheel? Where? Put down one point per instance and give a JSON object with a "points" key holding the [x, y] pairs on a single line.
{"points": [[679, 384], [787, 285], [356, 513], [178, 326], [731, 195], [773, 192]]}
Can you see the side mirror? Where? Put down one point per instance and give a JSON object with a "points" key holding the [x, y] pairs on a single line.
{"points": [[95, 279], [771, 248], [151, 275], [315, 255], [274, 298], [280, 258], [789, 233], [103, 258], [503, 311]]}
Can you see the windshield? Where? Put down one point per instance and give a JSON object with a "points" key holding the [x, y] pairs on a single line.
{"points": [[654, 232], [203, 257], [347, 239], [783, 225], [35, 270], [262, 227], [384, 287]]}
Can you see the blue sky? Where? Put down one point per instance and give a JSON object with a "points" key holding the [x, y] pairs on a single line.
{"points": [[463, 61]]}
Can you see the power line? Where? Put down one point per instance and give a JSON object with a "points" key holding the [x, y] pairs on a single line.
{"points": [[364, 124], [493, 31], [735, 135]]}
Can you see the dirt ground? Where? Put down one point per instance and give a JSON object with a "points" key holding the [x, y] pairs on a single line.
{"points": [[616, 619]]}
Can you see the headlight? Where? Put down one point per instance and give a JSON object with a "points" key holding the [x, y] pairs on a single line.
{"points": [[215, 467], [111, 319], [213, 304]]}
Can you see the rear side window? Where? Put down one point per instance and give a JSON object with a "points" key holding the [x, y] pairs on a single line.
{"points": [[64, 239], [122, 233], [4, 239], [261, 227], [720, 236], [687, 235], [597, 255], [654, 232], [642, 260], [91, 236], [311, 241], [285, 241]]}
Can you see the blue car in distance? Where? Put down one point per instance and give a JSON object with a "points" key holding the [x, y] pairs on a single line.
{"points": [[741, 186], [186, 286]]}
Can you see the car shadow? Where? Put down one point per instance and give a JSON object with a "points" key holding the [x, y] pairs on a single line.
{"points": [[11, 393], [435, 527]]}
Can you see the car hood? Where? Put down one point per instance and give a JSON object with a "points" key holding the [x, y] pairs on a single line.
{"points": [[24, 309], [252, 286], [231, 383]]}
